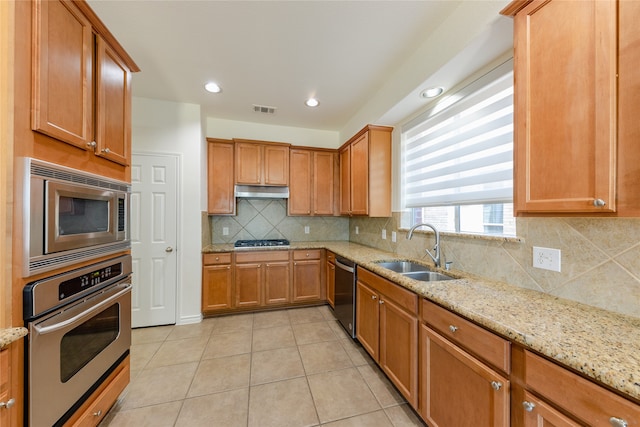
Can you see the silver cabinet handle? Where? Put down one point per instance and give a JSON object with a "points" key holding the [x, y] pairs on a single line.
{"points": [[92, 144], [8, 404], [598, 203], [170, 249], [97, 414], [374, 297], [618, 422], [381, 302], [106, 150], [528, 406], [496, 385], [453, 328]]}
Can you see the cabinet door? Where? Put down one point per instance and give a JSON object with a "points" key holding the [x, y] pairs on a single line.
{"points": [[399, 348], [360, 176], [220, 195], [565, 136], [300, 182], [276, 165], [307, 280], [458, 390], [217, 287], [62, 97], [113, 101], [540, 414], [367, 319], [323, 183], [331, 284], [276, 283], [345, 181], [248, 285], [248, 163], [5, 389]]}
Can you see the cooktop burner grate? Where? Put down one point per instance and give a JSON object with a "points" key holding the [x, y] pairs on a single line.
{"points": [[260, 243]]}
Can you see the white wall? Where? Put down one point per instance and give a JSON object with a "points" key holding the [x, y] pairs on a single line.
{"points": [[227, 129], [175, 128]]}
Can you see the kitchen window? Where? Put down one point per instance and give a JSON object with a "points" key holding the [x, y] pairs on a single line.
{"points": [[457, 168]]}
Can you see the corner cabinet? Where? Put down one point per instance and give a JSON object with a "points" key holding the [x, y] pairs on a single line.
{"points": [[387, 328], [85, 100], [365, 173], [576, 107], [312, 179], [261, 163], [220, 177]]}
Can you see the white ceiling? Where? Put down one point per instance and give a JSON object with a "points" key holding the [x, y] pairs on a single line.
{"points": [[274, 53]]}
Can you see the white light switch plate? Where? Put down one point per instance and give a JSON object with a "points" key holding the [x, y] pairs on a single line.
{"points": [[547, 258], [357, 230], [384, 234], [393, 236], [225, 231], [306, 229]]}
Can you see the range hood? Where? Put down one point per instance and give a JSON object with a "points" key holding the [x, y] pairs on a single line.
{"points": [[262, 192]]}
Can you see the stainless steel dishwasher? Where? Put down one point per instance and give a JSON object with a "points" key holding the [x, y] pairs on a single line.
{"points": [[345, 295]]}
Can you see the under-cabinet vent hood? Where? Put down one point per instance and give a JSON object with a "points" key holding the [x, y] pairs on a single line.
{"points": [[262, 192]]}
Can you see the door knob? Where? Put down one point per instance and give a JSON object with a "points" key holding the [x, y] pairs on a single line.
{"points": [[169, 249]]}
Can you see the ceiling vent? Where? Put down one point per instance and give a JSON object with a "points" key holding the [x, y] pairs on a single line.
{"points": [[265, 109]]}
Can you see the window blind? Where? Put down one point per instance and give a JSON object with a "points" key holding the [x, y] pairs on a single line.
{"points": [[463, 153]]}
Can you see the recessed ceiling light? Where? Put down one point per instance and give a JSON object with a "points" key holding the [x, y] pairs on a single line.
{"points": [[431, 92], [312, 102], [212, 87]]}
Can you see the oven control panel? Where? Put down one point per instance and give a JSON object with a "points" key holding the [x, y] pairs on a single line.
{"points": [[80, 283]]}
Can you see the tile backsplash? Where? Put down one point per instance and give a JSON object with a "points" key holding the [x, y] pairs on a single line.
{"points": [[600, 256], [267, 219]]}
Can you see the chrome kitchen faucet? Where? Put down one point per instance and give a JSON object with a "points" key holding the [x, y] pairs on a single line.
{"points": [[436, 248]]}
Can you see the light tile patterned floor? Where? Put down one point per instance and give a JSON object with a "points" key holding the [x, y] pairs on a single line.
{"points": [[285, 368]]}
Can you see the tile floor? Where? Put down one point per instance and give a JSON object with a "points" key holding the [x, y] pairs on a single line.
{"points": [[286, 368]]}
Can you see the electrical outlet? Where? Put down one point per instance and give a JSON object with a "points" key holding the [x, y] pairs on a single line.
{"points": [[357, 230], [384, 234], [547, 258], [306, 229], [394, 236], [225, 231]]}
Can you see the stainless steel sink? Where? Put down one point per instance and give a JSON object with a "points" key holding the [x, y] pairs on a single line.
{"points": [[403, 266], [414, 271], [427, 276]]}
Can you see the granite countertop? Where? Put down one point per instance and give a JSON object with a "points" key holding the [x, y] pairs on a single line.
{"points": [[601, 344], [9, 335]]}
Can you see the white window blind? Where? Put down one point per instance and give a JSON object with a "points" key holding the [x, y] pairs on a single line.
{"points": [[463, 154]]}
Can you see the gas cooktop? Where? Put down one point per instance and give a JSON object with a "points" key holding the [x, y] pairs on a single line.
{"points": [[248, 244]]}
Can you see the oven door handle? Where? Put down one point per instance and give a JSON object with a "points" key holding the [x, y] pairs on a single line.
{"points": [[42, 330]]}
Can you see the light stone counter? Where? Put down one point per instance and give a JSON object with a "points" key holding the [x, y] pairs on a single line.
{"points": [[7, 336], [602, 345]]}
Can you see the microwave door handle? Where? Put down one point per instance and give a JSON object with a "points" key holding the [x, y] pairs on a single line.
{"points": [[42, 330]]}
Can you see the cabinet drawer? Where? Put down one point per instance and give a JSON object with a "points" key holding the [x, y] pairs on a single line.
{"points": [[307, 254], [403, 297], [484, 344], [588, 402], [216, 258], [331, 257], [262, 256]]}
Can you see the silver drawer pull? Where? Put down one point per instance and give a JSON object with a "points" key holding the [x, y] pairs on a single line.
{"points": [[528, 406], [598, 203], [618, 422], [453, 328], [7, 404], [374, 297], [496, 385], [97, 414]]}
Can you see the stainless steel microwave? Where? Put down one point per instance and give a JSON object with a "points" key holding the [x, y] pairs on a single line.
{"points": [[71, 216]]}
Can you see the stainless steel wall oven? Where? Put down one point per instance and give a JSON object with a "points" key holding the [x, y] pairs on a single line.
{"points": [[70, 216], [79, 326]]}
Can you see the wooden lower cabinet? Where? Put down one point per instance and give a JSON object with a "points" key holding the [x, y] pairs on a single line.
{"points": [[331, 279], [540, 414], [262, 279], [456, 389], [5, 389], [217, 282], [387, 327], [96, 407], [307, 275]]}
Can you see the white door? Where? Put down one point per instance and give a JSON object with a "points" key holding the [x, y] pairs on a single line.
{"points": [[154, 186]]}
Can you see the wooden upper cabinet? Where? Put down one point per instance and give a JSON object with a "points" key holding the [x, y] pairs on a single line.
{"points": [[312, 181], [220, 177], [81, 92], [565, 106], [262, 163], [62, 104], [113, 113], [365, 173]]}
